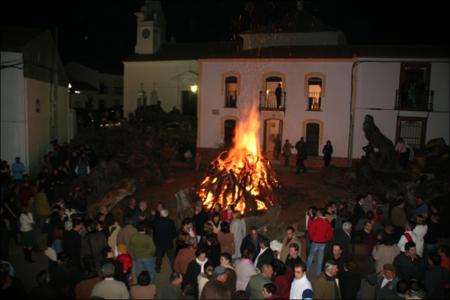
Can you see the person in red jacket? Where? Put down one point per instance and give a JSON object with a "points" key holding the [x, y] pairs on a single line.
{"points": [[125, 259], [320, 233]]}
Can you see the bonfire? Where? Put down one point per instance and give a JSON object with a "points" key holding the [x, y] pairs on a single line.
{"points": [[241, 177]]}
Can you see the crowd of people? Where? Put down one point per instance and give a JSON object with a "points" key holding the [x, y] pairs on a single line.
{"points": [[358, 250]]}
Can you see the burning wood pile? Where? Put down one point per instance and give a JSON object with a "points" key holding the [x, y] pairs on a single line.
{"points": [[241, 177]]}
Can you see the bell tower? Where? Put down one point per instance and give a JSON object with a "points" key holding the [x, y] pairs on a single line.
{"points": [[151, 28]]}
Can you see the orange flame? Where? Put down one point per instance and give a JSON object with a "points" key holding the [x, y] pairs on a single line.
{"points": [[247, 168]]}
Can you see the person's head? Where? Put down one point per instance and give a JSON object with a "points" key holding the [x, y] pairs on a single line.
{"points": [[187, 224], [419, 200], [286, 141], [176, 279], [328, 142], [107, 270], [225, 227], [368, 226], [225, 259], [253, 233], [215, 217], [388, 271], [143, 205], [269, 290], [267, 270], [434, 259], [410, 249], [293, 250], [337, 250], [442, 250], [76, 225], [144, 278], [17, 159], [409, 226], [420, 220], [164, 213], [299, 270], [264, 243], [290, 231], [402, 287], [246, 254], [220, 273], [331, 268], [43, 278], [240, 295], [132, 202], [201, 254], [347, 227], [107, 252]]}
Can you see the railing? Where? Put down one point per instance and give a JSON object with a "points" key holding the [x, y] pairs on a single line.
{"points": [[414, 100], [268, 101], [314, 101], [231, 99]]}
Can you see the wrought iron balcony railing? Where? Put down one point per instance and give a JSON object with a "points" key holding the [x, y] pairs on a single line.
{"points": [[268, 101], [414, 100]]}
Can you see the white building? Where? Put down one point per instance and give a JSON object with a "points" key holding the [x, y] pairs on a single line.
{"points": [[327, 86], [34, 96], [94, 89]]}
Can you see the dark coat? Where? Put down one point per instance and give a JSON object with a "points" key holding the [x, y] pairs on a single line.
{"points": [[71, 244], [349, 283], [345, 241], [199, 222], [164, 232], [247, 244], [265, 258], [389, 291], [193, 270], [407, 268], [436, 278], [215, 290], [97, 241]]}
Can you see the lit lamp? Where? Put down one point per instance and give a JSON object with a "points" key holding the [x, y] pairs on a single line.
{"points": [[194, 88]]}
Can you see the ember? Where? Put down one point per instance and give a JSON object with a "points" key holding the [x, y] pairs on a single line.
{"points": [[241, 177]]}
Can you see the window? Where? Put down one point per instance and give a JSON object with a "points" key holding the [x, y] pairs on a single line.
{"points": [[273, 97], [231, 91], [412, 130], [414, 90], [314, 93], [228, 135]]}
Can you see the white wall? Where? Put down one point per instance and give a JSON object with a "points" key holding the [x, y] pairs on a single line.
{"points": [[168, 78], [334, 117], [13, 117]]}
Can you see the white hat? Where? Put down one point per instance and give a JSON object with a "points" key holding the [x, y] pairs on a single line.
{"points": [[275, 245]]}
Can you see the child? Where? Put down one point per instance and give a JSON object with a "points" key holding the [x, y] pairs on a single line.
{"points": [[125, 258]]}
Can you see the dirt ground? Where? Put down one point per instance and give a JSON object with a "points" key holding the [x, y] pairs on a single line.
{"points": [[297, 193]]}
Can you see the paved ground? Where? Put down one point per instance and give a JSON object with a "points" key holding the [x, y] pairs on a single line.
{"points": [[303, 190]]}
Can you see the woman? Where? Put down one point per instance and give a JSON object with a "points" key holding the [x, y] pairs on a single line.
{"points": [[226, 238], [327, 151], [225, 261], [143, 290], [244, 270], [26, 221], [215, 222]]}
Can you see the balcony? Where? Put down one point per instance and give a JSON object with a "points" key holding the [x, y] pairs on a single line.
{"points": [[231, 99], [414, 100], [268, 101]]}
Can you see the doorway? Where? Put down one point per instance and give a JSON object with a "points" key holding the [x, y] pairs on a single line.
{"points": [[312, 139], [272, 128], [228, 135]]}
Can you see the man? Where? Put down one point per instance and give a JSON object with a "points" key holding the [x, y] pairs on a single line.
{"points": [[257, 282], [421, 208], [336, 255], [408, 264], [300, 146], [126, 232], [408, 236], [289, 239], [278, 94], [200, 218], [216, 287], [195, 268], [342, 236], [92, 245], [71, 243], [265, 255], [251, 242], [326, 285], [269, 292], [277, 147], [320, 233], [164, 232], [398, 216], [402, 150], [287, 152], [293, 257], [436, 277], [384, 253], [301, 287], [183, 258], [142, 249], [172, 290], [18, 170], [131, 212], [110, 288], [387, 283]]}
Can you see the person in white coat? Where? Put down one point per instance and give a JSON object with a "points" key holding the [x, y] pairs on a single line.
{"points": [[407, 236], [238, 228], [301, 287], [26, 222], [420, 230]]}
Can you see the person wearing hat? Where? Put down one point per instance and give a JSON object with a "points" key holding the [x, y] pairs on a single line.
{"points": [[326, 285], [387, 284], [110, 288], [216, 288]]}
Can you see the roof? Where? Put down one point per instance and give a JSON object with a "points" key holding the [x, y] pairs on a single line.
{"points": [[293, 21], [196, 51], [82, 86], [186, 51], [14, 39]]}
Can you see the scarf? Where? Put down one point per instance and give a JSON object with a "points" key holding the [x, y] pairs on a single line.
{"points": [[202, 264]]}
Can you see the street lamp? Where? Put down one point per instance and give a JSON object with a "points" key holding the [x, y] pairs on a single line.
{"points": [[194, 88]]}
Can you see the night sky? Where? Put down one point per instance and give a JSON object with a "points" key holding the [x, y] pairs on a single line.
{"points": [[102, 33]]}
